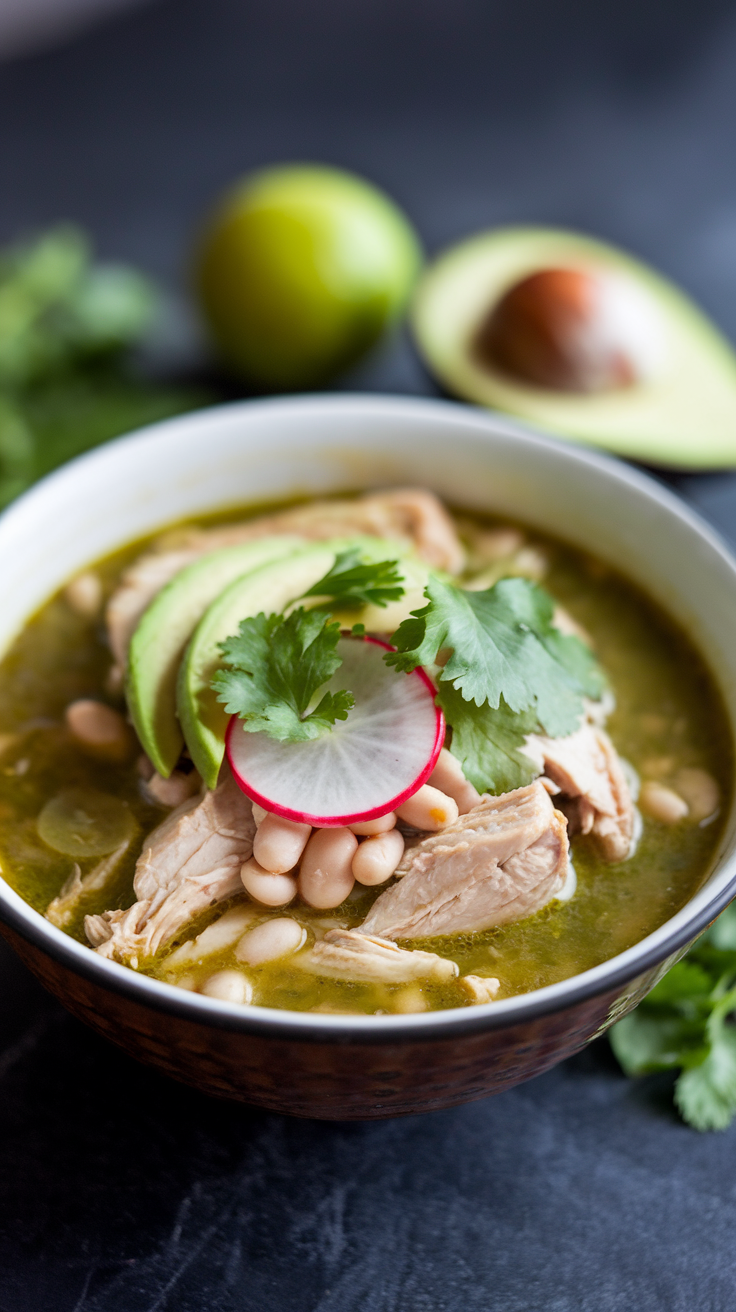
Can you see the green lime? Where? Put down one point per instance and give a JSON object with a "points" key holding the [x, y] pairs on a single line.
{"points": [[300, 271]]}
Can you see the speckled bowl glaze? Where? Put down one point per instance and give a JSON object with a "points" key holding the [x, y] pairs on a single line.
{"points": [[337, 1067]]}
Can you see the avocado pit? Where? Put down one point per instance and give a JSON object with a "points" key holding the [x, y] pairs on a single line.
{"points": [[572, 330]]}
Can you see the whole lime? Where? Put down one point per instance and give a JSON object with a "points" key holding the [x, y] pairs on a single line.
{"points": [[299, 272]]}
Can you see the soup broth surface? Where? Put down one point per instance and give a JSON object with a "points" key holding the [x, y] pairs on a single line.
{"points": [[668, 716]]}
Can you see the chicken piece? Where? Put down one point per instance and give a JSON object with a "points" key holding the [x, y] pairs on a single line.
{"points": [[351, 954], [592, 788], [500, 862], [410, 515], [480, 988], [189, 863], [173, 791], [63, 908]]}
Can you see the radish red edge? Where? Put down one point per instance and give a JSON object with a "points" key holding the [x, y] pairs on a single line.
{"points": [[357, 817]]}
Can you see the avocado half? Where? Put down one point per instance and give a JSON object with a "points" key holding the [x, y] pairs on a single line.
{"points": [[683, 416]]}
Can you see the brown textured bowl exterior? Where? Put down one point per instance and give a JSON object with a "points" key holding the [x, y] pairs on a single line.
{"points": [[335, 1078]]}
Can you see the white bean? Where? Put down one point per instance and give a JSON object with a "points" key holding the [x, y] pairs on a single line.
{"points": [[429, 809], [270, 890], [326, 877], [99, 729], [228, 986], [377, 857], [449, 778], [700, 791], [279, 843], [662, 803], [271, 940], [381, 825], [84, 594], [259, 814]]}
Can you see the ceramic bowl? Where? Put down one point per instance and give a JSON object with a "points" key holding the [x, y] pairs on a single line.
{"points": [[344, 1066]]}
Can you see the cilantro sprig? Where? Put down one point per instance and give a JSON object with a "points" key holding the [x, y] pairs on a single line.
{"points": [[687, 1024], [354, 582], [67, 379], [276, 665], [510, 672]]}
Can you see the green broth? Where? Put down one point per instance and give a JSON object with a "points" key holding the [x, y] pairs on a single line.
{"points": [[668, 716]]}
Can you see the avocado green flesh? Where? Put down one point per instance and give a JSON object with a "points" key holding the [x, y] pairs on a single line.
{"points": [[161, 637], [268, 590], [684, 416]]}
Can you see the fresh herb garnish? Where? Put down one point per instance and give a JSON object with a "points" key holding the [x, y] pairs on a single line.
{"points": [[353, 582], [686, 1024], [277, 664], [488, 742], [510, 672]]}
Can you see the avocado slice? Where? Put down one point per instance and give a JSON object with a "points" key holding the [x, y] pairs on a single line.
{"points": [[683, 415], [269, 589], [161, 636]]}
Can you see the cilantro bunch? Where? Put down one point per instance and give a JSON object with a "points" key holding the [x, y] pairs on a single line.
{"points": [[66, 326], [687, 1024]]}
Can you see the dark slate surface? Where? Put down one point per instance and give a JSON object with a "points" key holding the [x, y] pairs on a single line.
{"points": [[579, 1192]]}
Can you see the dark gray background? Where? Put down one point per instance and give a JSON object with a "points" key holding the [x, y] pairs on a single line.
{"points": [[579, 1192]]}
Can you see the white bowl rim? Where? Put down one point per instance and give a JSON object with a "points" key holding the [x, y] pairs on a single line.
{"points": [[611, 975]]}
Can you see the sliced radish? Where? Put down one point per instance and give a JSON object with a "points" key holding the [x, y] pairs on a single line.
{"points": [[369, 764]]}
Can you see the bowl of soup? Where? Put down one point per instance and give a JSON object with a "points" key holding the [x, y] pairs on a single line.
{"points": [[360, 756]]}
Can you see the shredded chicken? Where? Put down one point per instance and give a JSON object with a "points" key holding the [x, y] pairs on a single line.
{"points": [[590, 786], [351, 954], [499, 862], [173, 791], [189, 863], [410, 515], [62, 910], [480, 988]]}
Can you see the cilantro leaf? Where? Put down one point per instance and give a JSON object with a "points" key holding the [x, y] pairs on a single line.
{"points": [[686, 983], [353, 582], [503, 645], [510, 672], [488, 741], [686, 1024], [276, 666], [706, 1091], [722, 934], [644, 1043]]}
